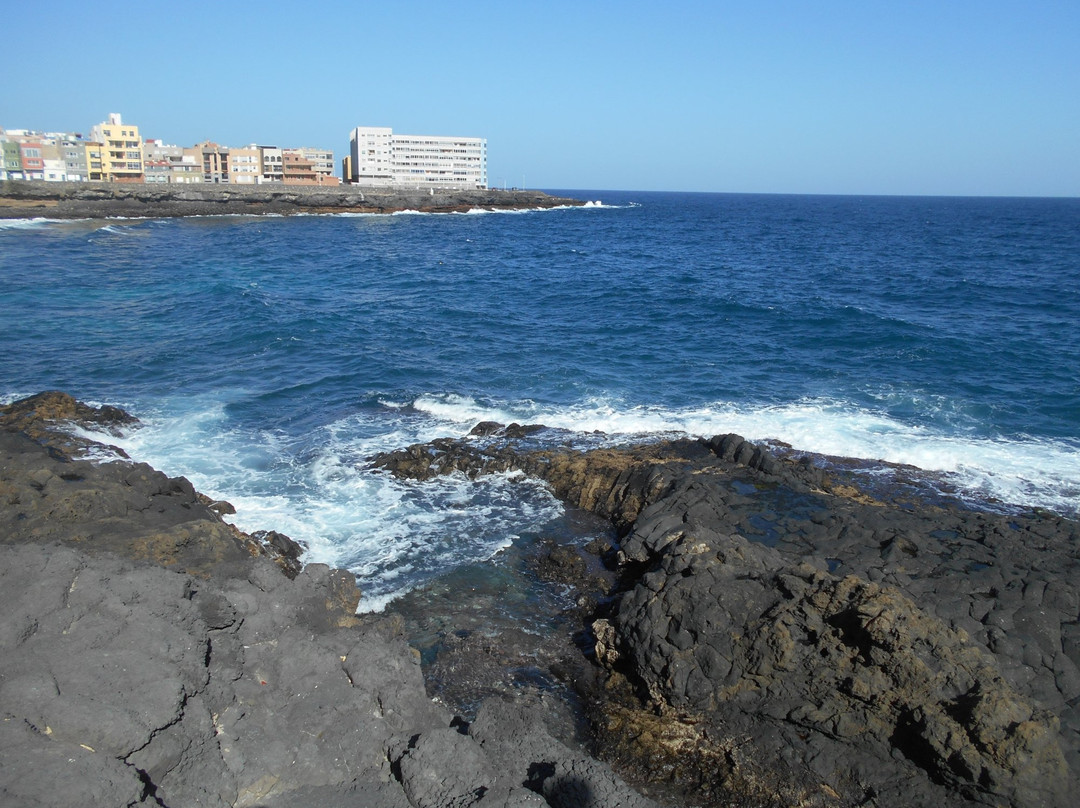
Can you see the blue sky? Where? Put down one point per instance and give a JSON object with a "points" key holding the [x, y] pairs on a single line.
{"points": [[776, 96]]}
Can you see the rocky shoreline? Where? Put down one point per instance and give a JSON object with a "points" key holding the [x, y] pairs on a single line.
{"points": [[780, 634], [769, 632], [90, 200], [151, 654]]}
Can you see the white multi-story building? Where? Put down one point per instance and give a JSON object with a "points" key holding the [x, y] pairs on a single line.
{"points": [[380, 158]]}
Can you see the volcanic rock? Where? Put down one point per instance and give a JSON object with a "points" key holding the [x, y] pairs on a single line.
{"points": [[877, 647], [150, 654], [82, 200]]}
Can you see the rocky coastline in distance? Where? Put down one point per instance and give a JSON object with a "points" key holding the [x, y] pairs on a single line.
{"points": [[776, 635], [20, 199]]}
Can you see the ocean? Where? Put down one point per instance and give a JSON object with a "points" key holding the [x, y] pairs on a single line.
{"points": [[268, 357]]}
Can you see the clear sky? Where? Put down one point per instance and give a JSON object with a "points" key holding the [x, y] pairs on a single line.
{"points": [[777, 96]]}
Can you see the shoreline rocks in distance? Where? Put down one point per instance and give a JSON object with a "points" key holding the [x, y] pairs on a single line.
{"points": [[90, 200], [150, 654]]}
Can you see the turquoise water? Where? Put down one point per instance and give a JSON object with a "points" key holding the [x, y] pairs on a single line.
{"points": [[270, 356]]}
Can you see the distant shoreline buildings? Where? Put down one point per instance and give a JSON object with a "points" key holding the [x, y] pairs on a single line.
{"points": [[378, 157], [116, 152]]}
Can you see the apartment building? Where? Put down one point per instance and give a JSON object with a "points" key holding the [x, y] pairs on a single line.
{"points": [[121, 150], [32, 159], [95, 162], [52, 161], [11, 160], [48, 156], [272, 164], [177, 164], [245, 165], [307, 166], [116, 152], [379, 157], [24, 155], [215, 160], [73, 154], [321, 159]]}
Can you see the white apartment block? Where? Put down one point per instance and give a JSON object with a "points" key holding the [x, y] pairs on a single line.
{"points": [[381, 158]]}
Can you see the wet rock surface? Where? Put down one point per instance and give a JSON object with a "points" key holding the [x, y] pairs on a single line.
{"points": [[150, 654], [790, 635]]}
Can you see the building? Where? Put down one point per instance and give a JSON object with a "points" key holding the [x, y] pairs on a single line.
{"points": [[11, 163], [95, 162], [121, 150], [379, 157], [215, 160], [116, 152], [321, 159], [176, 164], [31, 155], [48, 156], [245, 166], [52, 157], [306, 166], [73, 153], [272, 164]]}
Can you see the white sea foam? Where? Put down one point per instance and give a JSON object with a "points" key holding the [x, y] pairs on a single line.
{"points": [[27, 224], [393, 534], [1030, 472], [397, 534]]}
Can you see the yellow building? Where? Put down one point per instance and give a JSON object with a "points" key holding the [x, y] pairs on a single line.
{"points": [[95, 165], [121, 150]]}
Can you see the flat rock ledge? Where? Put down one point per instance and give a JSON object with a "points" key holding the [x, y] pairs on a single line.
{"points": [[783, 636], [21, 199], [150, 654]]}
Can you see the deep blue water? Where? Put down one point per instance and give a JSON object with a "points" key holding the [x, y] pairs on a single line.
{"points": [[269, 356]]}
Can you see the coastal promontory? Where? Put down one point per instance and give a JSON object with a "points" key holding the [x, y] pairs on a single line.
{"points": [[91, 200]]}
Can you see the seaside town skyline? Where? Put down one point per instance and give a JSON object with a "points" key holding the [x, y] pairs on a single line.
{"points": [[115, 151]]}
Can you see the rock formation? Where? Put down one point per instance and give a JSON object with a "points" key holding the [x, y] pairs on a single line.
{"points": [[90, 200], [808, 642], [150, 654]]}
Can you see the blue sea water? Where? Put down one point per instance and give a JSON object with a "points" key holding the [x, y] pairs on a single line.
{"points": [[269, 356]]}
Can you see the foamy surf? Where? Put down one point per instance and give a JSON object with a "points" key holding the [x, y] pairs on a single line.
{"points": [[1023, 472], [27, 224], [396, 535]]}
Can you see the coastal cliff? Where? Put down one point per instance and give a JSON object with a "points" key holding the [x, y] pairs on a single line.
{"points": [[86, 200]]}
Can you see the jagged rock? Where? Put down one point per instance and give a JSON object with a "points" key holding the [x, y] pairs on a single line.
{"points": [[41, 417], [518, 744], [288, 551], [117, 507], [895, 652], [149, 655]]}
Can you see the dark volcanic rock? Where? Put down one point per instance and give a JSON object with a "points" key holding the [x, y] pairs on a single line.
{"points": [[151, 655], [907, 653], [82, 200]]}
